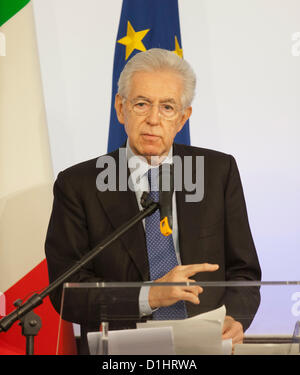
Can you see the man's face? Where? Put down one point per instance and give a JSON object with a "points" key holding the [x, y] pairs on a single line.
{"points": [[152, 134]]}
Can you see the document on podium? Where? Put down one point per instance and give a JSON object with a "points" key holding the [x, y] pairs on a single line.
{"points": [[201, 334], [154, 341]]}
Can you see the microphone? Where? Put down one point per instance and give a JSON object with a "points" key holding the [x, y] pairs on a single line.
{"points": [[166, 189]]}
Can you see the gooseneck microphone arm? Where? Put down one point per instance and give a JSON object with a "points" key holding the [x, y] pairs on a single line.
{"points": [[31, 322]]}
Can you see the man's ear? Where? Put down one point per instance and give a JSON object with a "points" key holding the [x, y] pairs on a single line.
{"points": [[119, 107], [185, 116]]}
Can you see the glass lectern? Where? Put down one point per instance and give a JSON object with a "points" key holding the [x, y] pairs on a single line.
{"points": [[111, 321]]}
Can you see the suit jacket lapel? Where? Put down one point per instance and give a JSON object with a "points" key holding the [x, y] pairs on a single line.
{"points": [[120, 207]]}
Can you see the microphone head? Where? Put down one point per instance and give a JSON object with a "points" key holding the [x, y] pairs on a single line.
{"points": [[166, 178], [166, 189]]}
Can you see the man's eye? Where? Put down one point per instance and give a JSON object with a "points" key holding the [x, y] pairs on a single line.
{"points": [[141, 105], [168, 107]]}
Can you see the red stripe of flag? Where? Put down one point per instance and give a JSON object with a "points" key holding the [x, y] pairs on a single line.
{"points": [[12, 341]]}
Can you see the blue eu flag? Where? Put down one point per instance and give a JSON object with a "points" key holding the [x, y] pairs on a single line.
{"points": [[144, 24]]}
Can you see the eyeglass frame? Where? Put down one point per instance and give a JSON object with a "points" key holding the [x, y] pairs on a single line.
{"points": [[151, 106]]}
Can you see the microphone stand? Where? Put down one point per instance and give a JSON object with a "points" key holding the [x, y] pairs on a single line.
{"points": [[31, 322]]}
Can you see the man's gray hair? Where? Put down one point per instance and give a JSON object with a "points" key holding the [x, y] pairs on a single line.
{"points": [[157, 59]]}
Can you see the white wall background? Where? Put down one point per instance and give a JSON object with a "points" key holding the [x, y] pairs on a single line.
{"points": [[247, 101]]}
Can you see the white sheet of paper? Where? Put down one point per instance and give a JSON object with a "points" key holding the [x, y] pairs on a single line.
{"points": [[201, 334], [142, 341], [217, 314]]}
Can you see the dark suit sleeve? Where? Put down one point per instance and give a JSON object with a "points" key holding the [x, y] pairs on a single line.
{"points": [[241, 261], [66, 242]]}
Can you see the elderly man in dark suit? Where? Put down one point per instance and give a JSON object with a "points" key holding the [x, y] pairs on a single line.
{"points": [[211, 239]]}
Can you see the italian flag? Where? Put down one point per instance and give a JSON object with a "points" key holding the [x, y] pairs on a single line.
{"points": [[25, 182]]}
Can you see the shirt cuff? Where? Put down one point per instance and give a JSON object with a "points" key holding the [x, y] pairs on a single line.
{"points": [[145, 308]]}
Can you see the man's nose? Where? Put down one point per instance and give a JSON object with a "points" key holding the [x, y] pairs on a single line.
{"points": [[153, 117]]}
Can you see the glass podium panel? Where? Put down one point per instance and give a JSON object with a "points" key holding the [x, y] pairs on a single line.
{"points": [[116, 318]]}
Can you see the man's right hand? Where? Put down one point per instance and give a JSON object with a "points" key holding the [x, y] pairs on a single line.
{"points": [[168, 295]]}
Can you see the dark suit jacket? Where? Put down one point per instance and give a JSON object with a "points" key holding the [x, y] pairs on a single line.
{"points": [[215, 230]]}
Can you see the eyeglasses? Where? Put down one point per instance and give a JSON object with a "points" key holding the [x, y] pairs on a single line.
{"points": [[142, 107]]}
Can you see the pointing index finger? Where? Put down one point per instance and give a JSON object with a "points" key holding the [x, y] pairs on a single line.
{"points": [[192, 269]]}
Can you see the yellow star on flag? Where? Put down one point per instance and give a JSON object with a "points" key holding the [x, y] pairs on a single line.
{"points": [[133, 40], [178, 50]]}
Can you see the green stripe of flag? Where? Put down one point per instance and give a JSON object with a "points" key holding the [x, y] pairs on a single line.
{"points": [[8, 8]]}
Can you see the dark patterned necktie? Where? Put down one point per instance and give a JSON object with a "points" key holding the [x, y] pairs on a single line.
{"points": [[161, 253]]}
